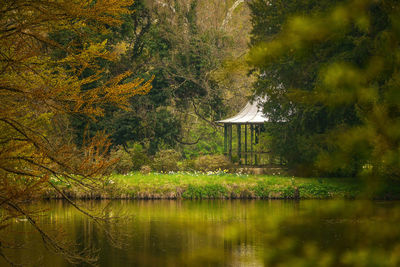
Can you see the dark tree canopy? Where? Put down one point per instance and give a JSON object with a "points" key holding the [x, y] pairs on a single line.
{"points": [[327, 69]]}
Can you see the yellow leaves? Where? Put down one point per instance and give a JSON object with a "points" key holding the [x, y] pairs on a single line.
{"points": [[48, 84], [36, 88], [120, 48], [114, 91], [78, 61], [105, 11]]}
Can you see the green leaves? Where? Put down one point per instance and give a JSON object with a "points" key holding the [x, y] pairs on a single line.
{"points": [[338, 65]]}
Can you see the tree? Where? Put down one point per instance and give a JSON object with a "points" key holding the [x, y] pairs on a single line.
{"points": [[185, 46], [331, 79], [196, 42], [39, 89]]}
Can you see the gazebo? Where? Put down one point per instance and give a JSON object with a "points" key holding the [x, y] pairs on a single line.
{"points": [[252, 119]]}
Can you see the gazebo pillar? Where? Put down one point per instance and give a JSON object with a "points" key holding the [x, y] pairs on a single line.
{"points": [[245, 144], [251, 143], [225, 139], [239, 146], [259, 147], [256, 142], [230, 141]]}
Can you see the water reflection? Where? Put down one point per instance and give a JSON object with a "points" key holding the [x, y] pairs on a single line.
{"points": [[226, 233]]}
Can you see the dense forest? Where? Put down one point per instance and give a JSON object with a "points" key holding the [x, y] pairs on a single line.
{"points": [[192, 49]]}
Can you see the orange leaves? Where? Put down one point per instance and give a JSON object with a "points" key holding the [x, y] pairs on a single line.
{"points": [[52, 84], [38, 87], [42, 81], [115, 92], [112, 92]]}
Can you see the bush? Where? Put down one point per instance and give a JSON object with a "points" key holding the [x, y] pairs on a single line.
{"points": [[124, 163], [206, 191], [212, 163], [138, 156], [186, 165], [166, 160], [145, 169]]}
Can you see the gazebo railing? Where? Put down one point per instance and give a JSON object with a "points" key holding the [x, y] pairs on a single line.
{"points": [[243, 154]]}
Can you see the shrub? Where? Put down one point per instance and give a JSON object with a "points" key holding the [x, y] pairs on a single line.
{"points": [[206, 191], [124, 163], [212, 163], [145, 169], [138, 156], [166, 160], [186, 165]]}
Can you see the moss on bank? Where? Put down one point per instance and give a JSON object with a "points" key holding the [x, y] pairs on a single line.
{"points": [[228, 186]]}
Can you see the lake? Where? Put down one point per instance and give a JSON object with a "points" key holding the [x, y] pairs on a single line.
{"points": [[220, 233]]}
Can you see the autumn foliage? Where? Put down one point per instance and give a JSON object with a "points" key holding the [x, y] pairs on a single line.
{"points": [[39, 90]]}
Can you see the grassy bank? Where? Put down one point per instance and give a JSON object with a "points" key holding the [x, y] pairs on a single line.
{"points": [[230, 186]]}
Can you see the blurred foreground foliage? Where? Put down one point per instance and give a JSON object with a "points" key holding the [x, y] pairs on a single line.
{"points": [[330, 71]]}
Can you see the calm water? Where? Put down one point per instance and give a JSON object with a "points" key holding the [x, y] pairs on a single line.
{"points": [[223, 233]]}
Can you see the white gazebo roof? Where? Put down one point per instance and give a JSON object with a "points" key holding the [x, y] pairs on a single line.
{"points": [[251, 113]]}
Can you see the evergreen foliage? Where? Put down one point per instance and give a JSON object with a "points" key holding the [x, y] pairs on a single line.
{"points": [[329, 70]]}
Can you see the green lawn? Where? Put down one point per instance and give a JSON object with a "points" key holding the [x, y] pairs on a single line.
{"points": [[223, 185], [230, 186]]}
